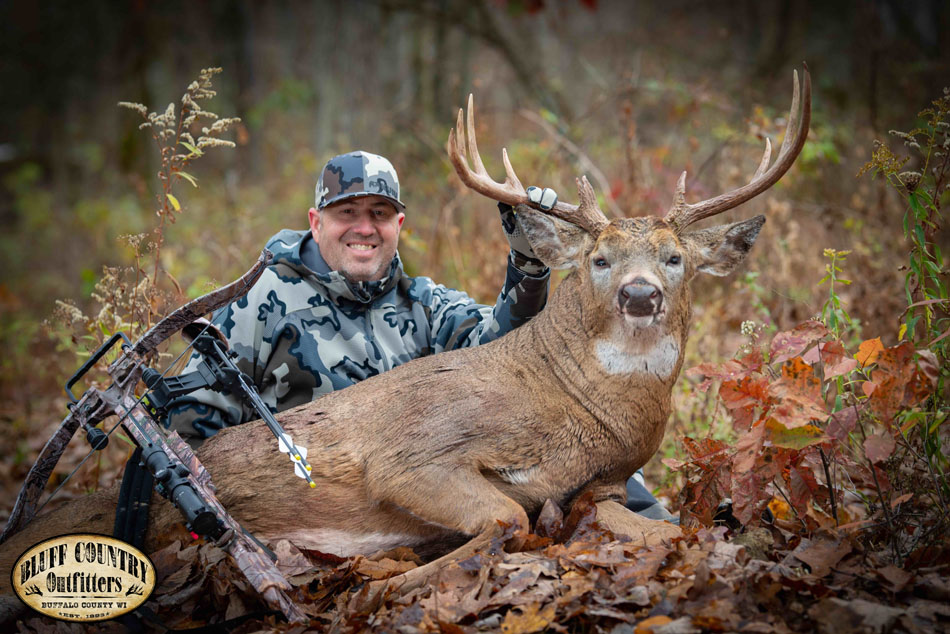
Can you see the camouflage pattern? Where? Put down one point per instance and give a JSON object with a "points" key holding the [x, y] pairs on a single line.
{"points": [[301, 333], [357, 174]]}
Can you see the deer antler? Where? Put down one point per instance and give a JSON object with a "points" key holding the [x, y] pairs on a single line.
{"points": [[587, 215], [682, 214]]}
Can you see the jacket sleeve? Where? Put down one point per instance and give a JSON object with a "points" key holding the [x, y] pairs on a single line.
{"points": [[244, 323], [458, 322]]}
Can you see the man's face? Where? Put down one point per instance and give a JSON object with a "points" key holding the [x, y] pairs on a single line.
{"points": [[358, 236]]}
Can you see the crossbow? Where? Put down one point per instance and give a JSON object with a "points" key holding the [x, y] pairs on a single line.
{"points": [[178, 473]]}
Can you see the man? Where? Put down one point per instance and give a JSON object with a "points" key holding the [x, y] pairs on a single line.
{"points": [[335, 306]]}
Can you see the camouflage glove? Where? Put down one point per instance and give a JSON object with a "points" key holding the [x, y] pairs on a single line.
{"points": [[522, 253]]}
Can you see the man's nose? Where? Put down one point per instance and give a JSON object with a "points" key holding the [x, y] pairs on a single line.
{"points": [[363, 224]]}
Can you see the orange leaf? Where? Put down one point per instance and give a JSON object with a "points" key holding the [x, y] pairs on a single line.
{"points": [[646, 625], [868, 351]]}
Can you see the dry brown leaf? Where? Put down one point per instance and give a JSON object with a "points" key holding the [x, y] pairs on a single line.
{"points": [[384, 568], [821, 555], [528, 618]]}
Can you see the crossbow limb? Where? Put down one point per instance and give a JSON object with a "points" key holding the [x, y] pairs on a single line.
{"points": [[92, 407]]}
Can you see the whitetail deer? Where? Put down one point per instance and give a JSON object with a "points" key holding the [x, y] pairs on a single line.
{"points": [[446, 446]]}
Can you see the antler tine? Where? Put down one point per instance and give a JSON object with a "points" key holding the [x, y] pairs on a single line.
{"points": [[470, 137], [588, 215], [683, 214]]}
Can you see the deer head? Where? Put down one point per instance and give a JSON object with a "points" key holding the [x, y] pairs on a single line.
{"points": [[638, 267]]}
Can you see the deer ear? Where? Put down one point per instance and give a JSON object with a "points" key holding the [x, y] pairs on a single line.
{"points": [[557, 243], [719, 250]]}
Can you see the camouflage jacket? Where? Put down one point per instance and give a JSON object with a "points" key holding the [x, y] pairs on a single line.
{"points": [[303, 331]]}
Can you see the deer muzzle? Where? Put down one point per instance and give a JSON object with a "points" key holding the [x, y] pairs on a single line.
{"points": [[640, 298]]}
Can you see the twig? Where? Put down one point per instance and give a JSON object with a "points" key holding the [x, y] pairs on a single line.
{"points": [[790, 505], [887, 514], [831, 490], [586, 163]]}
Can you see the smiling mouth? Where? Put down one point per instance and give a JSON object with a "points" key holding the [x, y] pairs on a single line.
{"points": [[361, 246]]}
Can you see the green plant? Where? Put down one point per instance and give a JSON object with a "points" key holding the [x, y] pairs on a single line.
{"points": [[923, 190], [831, 311], [925, 321], [130, 298]]}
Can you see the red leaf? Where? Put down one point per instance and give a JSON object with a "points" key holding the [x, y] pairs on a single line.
{"points": [[798, 395], [786, 345], [842, 423], [879, 447], [802, 486], [745, 392], [834, 358], [703, 449]]}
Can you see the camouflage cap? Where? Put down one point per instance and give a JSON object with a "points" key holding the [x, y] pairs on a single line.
{"points": [[357, 174]]}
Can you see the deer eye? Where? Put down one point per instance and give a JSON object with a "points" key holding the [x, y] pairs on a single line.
{"points": [[674, 260], [601, 262]]}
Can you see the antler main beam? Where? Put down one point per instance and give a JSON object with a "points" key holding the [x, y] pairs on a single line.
{"points": [[586, 215], [683, 214]]}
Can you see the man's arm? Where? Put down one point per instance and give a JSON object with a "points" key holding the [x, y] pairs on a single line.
{"points": [[458, 322], [203, 413]]}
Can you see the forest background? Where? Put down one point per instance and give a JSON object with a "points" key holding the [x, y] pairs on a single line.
{"points": [[629, 93]]}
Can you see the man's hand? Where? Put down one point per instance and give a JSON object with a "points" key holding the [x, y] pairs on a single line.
{"points": [[544, 198], [524, 257]]}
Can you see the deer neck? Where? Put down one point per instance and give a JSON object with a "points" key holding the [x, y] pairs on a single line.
{"points": [[623, 382]]}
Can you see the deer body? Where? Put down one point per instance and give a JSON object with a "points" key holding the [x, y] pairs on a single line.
{"points": [[407, 457], [445, 446]]}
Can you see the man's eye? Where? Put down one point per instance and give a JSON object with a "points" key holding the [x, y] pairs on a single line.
{"points": [[674, 260], [601, 263]]}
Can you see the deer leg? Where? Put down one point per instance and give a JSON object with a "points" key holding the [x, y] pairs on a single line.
{"points": [[619, 519], [460, 500]]}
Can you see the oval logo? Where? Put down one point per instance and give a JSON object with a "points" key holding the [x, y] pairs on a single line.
{"points": [[83, 577]]}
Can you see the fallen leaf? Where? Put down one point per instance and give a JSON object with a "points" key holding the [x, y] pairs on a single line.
{"points": [[384, 568], [290, 561], [550, 521], [528, 618], [853, 617], [896, 577], [646, 625], [901, 499], [821, 555]]}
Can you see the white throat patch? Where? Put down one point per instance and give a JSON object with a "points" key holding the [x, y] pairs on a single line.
{"points": [[659, 360]]}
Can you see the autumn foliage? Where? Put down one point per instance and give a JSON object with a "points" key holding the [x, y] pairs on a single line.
{"points": [[815, 423]]}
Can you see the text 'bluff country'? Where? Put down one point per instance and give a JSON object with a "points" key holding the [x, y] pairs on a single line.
{"points": [[90, 553]]}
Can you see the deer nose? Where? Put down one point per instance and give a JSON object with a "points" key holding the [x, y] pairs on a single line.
{"points": [[640, 298]]}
